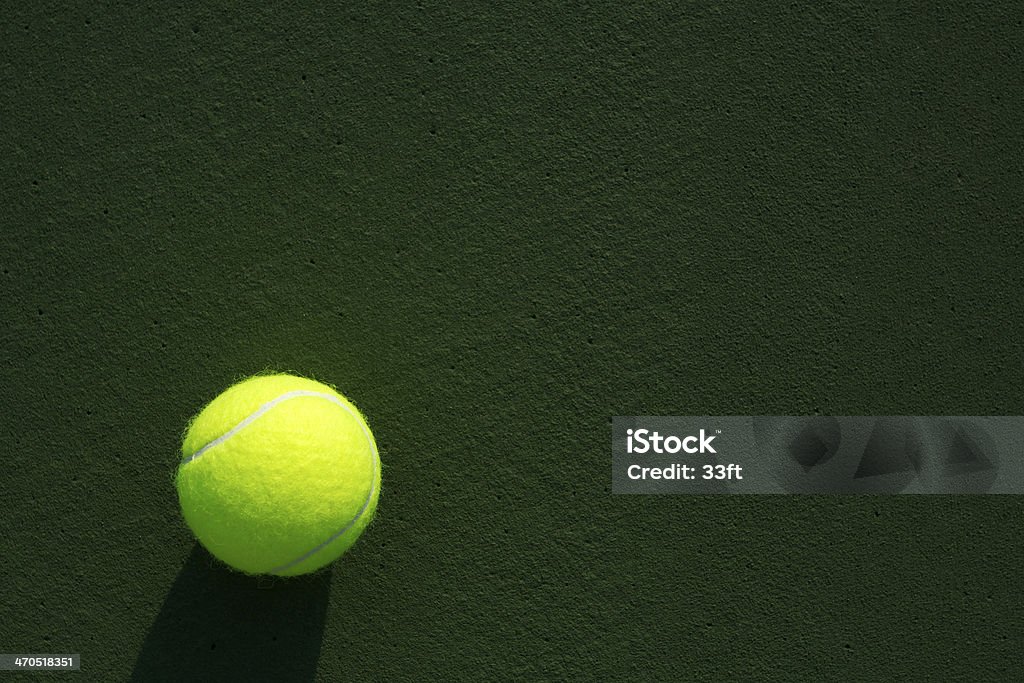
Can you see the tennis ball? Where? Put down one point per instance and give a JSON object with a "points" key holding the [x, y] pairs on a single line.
{"points": [[279, 475]]}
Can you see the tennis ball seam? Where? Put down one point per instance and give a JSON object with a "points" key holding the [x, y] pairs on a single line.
{"points": [[267, 407]]}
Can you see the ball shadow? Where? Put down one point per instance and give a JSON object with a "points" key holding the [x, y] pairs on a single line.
{"points": [[216, 624]]}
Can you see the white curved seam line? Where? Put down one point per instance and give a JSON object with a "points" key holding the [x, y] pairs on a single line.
{"points": [[359, 515], [256, 414]]}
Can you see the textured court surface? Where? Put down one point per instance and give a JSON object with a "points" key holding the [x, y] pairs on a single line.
{"points": [[494, 229]]}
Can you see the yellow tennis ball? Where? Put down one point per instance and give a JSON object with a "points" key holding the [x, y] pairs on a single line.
{"points": [[279, 475]]}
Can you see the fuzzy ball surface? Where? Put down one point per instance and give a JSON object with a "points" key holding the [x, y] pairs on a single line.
{"points": [[279, 475]]}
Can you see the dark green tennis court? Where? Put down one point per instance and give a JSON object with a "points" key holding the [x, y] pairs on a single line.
{"points": [[494, 229]]}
